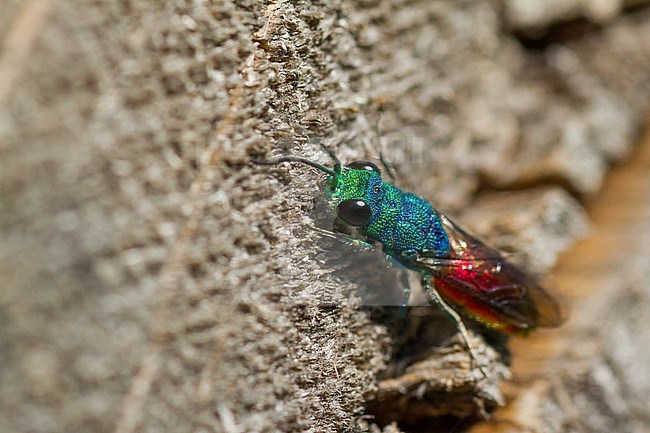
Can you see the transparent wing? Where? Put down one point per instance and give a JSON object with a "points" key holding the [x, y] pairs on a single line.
{"points": [[478, 282]]}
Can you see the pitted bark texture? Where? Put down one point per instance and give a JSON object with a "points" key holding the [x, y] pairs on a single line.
{"points": [[153, 279]]}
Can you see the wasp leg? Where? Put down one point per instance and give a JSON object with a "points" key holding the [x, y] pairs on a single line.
{"points": [[390, 168], [406, 286], [358, 244], [435, 298], [392, 171]]}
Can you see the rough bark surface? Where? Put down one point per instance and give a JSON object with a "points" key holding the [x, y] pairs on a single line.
{"points": [[592, 375], [153, 279]]}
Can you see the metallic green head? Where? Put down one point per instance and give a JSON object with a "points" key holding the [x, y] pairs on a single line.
{"points": [[355, 192], [352, 189]]}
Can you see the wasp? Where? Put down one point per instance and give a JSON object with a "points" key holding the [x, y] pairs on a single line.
{"points": [[458, 272]]}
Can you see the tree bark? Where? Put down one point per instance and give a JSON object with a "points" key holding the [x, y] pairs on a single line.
{"points": [[153, 279]]}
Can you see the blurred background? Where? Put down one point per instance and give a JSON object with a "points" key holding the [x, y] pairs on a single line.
{"points": [[153, 279]]}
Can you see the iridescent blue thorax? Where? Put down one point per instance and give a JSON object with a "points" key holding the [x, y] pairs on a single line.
{"points": [[400, 221]]}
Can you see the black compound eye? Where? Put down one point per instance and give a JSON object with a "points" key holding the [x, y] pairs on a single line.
{"points": [[354, 212], [364, 165]]}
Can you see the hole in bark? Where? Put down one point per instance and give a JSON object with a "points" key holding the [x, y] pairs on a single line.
{"points": [[564, 31], [426, 386], [556, 33]]}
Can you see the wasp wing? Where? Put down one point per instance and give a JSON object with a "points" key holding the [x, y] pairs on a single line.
{"points": [[478, 282]]}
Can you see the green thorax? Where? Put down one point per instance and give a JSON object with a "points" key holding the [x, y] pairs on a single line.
{"points": [[400, 221]]}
